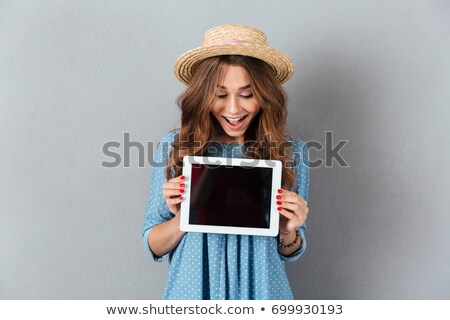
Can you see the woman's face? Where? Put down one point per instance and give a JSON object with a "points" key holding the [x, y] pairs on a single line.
{"points": [[236, 105]]}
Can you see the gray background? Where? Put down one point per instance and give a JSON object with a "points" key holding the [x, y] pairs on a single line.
{"points": [[77, 74]]}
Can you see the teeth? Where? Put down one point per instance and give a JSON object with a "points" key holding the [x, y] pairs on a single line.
{"points": [[234, 120]]}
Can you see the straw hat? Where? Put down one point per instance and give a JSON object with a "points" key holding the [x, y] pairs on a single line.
{"points": [[234, 39]]}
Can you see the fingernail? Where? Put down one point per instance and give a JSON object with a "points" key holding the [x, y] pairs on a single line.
{"points": [[181, 198], [278, 202], [181, 190], [279, 208], [181, 184], [278, 197], [182, 177], [280, 191]]}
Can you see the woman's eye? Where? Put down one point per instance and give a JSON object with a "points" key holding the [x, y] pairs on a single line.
{"points": [[221, 96]]}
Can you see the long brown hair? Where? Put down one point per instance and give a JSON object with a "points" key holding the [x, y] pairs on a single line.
{"points": [[264, 137]]}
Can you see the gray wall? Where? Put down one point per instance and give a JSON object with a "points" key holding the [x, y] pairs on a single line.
{"points": [[77, 74]]}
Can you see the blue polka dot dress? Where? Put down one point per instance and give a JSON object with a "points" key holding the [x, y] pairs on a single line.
{"points": [[219, 266]]}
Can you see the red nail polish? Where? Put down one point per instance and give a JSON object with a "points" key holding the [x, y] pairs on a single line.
{"points": [[280, 191], [279, 208], [181, 198], [278, 197], [181, 190], [181, 184], [182, 177], [278, 202]]}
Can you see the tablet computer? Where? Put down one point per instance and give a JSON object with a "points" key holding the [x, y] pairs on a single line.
{"points": [[230, 195]]}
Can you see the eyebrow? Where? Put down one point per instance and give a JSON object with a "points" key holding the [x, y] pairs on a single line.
{"points": [[241, 88]]}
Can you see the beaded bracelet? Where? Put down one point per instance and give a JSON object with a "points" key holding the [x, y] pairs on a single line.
{"points": [[289, 244]]}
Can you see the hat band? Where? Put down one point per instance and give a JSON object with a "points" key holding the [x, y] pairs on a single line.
{"points": [[227, 41]]}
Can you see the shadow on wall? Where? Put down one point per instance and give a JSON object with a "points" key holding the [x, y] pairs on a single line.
{"points": [[351, 218]]}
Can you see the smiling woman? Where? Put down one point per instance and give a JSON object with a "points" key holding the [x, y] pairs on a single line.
{"points": [[236, 107], [234, 102]]}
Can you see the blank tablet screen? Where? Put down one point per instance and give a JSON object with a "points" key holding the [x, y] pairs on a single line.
{"points": [[230, 196]]}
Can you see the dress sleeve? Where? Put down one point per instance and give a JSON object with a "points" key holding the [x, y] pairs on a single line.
{"points": [[157, 211], [301, 157]]}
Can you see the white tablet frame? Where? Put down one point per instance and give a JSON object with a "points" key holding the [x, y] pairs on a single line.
{"points": [[276, 166]]}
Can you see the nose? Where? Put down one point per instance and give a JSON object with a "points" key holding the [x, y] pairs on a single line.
{"points": [[232, 105]]}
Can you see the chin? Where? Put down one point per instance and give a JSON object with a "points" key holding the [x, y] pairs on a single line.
{"points": [[235, 133]]}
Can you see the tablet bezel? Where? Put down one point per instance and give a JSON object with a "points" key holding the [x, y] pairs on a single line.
{"points": [[276, 167]]}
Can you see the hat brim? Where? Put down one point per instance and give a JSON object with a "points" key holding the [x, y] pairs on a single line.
{"points": [[281, 64]]}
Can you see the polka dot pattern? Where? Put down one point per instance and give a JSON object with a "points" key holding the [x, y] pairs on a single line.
{"points": [[219, 266]]}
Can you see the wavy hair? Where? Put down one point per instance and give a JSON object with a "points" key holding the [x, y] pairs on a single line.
{"points": [[263, 139]]}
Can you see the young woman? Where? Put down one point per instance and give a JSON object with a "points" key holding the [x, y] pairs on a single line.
{"points": [[233, 106]]}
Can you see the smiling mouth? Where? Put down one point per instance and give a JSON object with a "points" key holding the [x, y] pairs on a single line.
{"points": [[235, 121]]}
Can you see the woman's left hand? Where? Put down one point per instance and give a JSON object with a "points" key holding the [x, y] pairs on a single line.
{"points": [[293, 210]]}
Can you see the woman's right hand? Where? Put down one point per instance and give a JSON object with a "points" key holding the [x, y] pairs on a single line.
{"points": [[172, 192], [165, 236]]}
